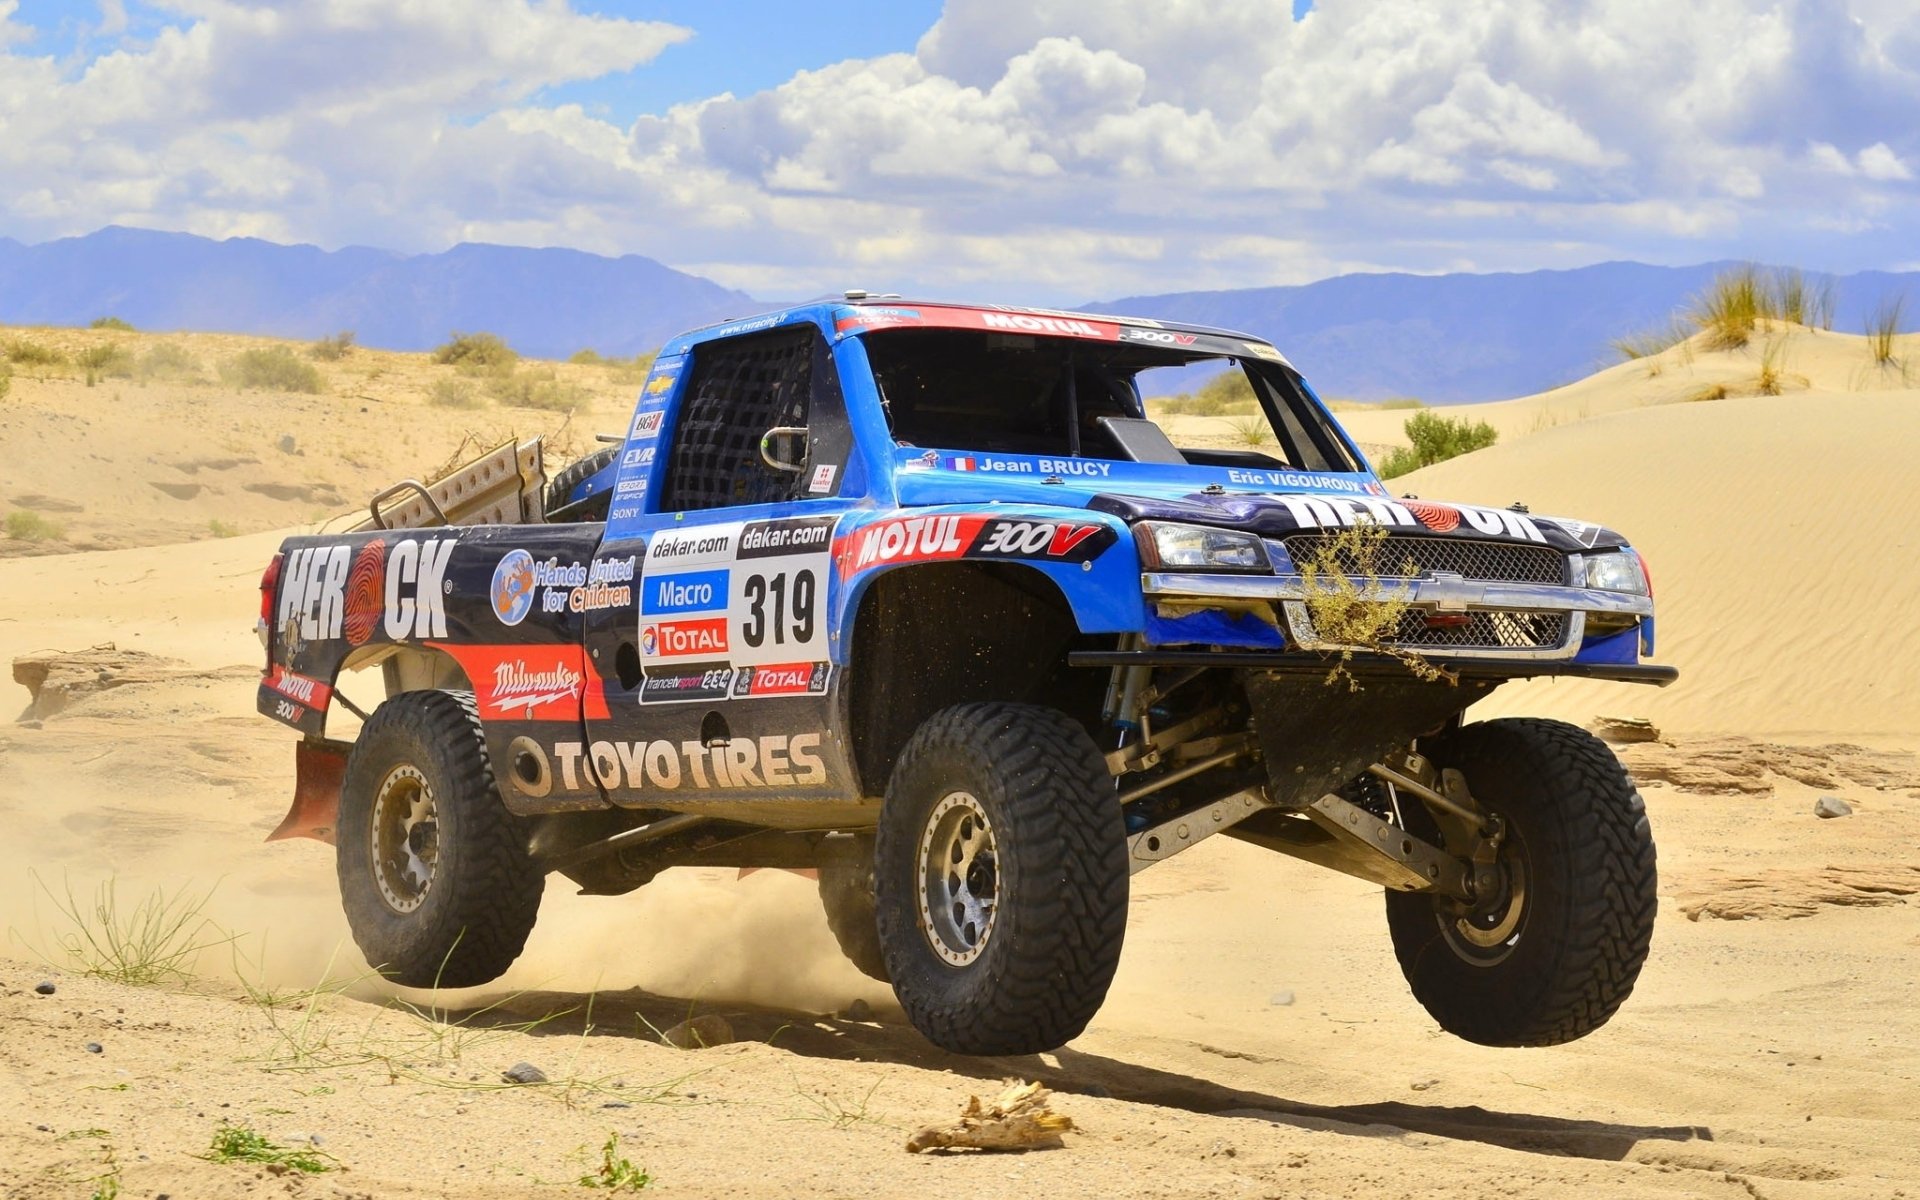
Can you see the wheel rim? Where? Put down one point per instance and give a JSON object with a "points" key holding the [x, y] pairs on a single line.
{"points": [[959, 879], [406, 839], [1491, 931]]}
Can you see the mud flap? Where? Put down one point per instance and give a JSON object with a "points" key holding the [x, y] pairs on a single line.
{"points": [[319, 769], [1316, 736]]}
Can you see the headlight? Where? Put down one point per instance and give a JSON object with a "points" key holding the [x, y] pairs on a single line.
{"points": [[1619, 571], [1199, 548]]}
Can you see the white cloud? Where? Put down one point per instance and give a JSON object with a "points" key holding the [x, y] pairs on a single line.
{"points": [[1080, 147], [1878, 161]]}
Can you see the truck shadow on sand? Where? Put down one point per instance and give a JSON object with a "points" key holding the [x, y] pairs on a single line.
{"points": [[886, 1038]]}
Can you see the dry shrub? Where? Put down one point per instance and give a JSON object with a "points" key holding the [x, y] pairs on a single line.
{"points": [[455, 393], [1356, 600], [25, 352], [332, 349], [111, 323], [168, 362], [273, 368], [476, 351], [26, 525]]}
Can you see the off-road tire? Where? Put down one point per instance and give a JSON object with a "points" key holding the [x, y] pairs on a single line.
{"points": [[474, 918], [846, 892], [1060, 869], [1587, 919], [560, 489]]}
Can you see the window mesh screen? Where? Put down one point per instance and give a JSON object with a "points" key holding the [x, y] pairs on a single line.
{"points": [[741, 389]]}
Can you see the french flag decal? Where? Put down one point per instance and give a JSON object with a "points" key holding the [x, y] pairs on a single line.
{"points": [[961, 464]]}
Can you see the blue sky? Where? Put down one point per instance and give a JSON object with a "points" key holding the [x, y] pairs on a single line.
{"points": [[1057, 149]]}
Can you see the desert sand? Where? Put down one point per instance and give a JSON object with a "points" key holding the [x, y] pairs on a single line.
{"points": [[1259, 1040]]}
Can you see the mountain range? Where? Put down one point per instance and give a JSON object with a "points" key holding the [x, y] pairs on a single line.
{"points": [[1441, 338]]}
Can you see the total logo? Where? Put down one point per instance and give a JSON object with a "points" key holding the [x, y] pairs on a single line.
{"points": [[337, 591], [683, 639]]}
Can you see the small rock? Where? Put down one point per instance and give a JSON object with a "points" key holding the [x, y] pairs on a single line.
{"points": [[1220, 1149], [45, 987], [859, 1010], [302, 1139], [288, 445], [1832, 806], [1626, 729], [95, 1048], [524, 1072], [616, 1104], [702, 1032], [1281, 999], [1421, 1085], [1097, 1090]]}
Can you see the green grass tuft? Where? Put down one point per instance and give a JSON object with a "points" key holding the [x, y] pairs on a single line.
{"points": [[154, 940], [240, 1144], [110, 323], [616, 1174]]}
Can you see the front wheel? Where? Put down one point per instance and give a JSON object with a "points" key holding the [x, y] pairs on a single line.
{"points": [[1001, 879], [435, 875], [1555, 952]]}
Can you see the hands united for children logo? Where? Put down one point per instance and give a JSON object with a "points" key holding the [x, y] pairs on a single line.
{"points": [[512, 590]]}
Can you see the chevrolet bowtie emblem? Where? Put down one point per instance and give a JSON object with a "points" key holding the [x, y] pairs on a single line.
{"points": [[1443, 591]]}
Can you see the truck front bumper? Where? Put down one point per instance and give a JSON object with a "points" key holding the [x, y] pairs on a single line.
{"points": [[1441, 597]]}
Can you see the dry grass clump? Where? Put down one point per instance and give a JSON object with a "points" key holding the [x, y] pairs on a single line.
{"points": [[1436, 439], [1883, 326], [1251, 430], [110, 323], [1352, 606], [1742, 297], [6, 378], [1649, 343], [478, 352], [271, 368]]}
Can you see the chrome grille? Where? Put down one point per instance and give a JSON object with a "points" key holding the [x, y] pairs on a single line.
{"points": [[1408, 557], [1493, 630]]}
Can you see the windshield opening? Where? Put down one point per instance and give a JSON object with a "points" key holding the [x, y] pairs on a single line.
{"points": [[1024, 394]]}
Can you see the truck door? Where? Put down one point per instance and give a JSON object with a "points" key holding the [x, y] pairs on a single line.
{"points": [[713, 651]]}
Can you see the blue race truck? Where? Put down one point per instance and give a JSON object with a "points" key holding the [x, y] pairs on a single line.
{"points": [[918, 597]]}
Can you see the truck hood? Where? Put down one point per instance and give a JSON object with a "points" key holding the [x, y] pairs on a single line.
{"points": [[1273, 503]]}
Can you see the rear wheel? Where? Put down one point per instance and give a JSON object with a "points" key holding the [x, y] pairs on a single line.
{"points": [[1001, 879], [435, 875], [846, 892], [1552, 953], [571, 476]]}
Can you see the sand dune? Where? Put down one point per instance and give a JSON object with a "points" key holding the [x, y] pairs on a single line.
{"points": [[1771, 1049]]}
